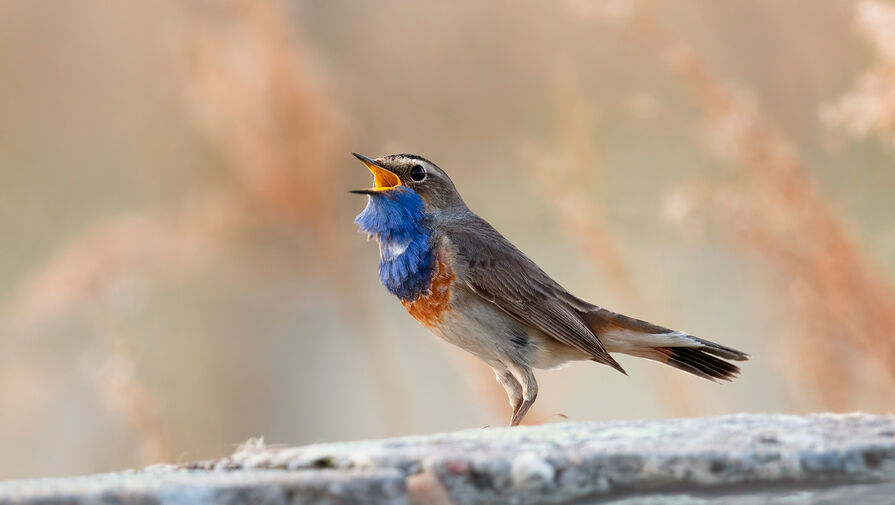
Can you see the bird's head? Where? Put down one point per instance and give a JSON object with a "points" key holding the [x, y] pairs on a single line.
{"points": [[411, 172]]}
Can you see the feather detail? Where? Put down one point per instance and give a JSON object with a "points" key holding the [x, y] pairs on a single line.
{"points": [[395, 218]]}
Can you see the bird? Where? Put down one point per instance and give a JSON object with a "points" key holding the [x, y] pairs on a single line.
{"points": [[459, 277]]}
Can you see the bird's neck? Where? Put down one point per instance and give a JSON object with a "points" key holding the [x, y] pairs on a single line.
{"points": [[398, 221]]}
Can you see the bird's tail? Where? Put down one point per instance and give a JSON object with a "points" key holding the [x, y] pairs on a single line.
{"points": [[685, 352], [698, 362]]}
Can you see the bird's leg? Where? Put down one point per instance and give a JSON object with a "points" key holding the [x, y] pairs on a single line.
{"points": [[526, 379], [511, 386]]}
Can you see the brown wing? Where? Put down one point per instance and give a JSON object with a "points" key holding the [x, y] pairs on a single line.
{"points": [[498, 272]]}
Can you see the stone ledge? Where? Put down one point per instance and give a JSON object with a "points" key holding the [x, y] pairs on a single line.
{"points": [[741, 457]]}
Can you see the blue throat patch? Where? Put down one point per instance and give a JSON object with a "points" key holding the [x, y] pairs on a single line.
{"points": [[395, 219]]}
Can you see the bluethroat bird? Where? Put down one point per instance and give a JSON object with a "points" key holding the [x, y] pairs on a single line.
{"points": [[463, 280]]}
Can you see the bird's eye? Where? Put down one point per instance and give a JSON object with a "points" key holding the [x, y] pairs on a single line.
{"points": [[418, 173]]}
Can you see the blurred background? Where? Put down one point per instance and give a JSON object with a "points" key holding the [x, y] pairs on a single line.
{"points": [[180, 270]]}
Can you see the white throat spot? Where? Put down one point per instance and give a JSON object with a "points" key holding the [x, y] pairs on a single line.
{"points": [[391, 249]]}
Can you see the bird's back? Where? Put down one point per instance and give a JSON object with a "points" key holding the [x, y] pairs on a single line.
{"points": [[500, 274]]}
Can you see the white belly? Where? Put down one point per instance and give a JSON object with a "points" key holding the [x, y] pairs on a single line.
{"points": [[483, 329]]}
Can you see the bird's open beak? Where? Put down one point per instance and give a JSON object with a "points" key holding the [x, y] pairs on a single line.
{"points": [[383, 179]]}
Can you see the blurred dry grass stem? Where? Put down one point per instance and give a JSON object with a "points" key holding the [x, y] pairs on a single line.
{"points": [[102, 272], [841, 302], [106, 264], [562, 177], [251, 92], [124, 394], [248, 87]]}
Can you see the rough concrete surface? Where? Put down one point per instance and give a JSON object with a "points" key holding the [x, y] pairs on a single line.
{"points": [[740, 459]]}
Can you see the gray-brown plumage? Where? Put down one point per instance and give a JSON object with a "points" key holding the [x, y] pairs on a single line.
{"points": [[481, 293], [501, 274]]}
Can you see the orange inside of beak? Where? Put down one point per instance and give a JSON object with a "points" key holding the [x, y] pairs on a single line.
{"points": [[383, 179]]}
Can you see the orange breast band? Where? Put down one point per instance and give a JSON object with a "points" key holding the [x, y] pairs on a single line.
{"points": [[428, 308]]}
